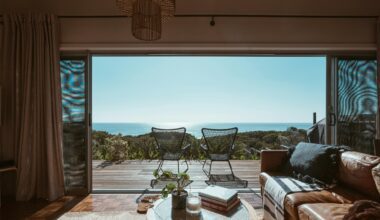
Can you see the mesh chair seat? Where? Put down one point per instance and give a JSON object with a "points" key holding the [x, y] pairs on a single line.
{"points": [[171, 156], [219, 157]]}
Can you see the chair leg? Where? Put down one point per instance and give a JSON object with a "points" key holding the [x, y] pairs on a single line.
{"points": [[160, 165], [203, 168], [209, 171], [204, 162], [177, 167], [187, 166], [233, 175]]}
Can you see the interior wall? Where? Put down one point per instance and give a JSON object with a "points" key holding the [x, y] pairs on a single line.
{"points": [[254, 7], [245, 34]]}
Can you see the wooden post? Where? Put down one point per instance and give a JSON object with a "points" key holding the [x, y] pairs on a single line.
{"points": [[314, 118]]}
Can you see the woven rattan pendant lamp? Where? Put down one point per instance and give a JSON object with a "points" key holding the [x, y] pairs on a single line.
{"points": [[147, 16]]}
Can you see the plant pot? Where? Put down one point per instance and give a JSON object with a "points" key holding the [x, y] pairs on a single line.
{"points": [[179, 201]]}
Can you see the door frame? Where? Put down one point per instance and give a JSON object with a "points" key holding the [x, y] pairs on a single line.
{"points": [[110, 54], [88, 119], [332, 92]]}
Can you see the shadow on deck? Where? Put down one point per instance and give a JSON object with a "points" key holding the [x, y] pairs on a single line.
{"points": [[137, 174]]}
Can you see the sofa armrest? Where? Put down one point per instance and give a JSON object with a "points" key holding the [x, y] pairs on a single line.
{"points": [[273, 160]]}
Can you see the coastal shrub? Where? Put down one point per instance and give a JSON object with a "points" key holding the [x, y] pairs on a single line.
{"points": [[111, 147], [116, 148]]}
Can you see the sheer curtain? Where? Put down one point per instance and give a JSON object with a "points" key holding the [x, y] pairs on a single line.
{"points": [[32, 116]]}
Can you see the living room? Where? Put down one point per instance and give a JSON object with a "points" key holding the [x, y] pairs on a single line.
{"points": [[49, 86]]}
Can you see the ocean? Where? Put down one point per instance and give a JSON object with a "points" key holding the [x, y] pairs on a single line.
{"points": [[194, 129]]}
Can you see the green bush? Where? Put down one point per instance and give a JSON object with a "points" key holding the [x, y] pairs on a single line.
{"points": [[117, 147]]}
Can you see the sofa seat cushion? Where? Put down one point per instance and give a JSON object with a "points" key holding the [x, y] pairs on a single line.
{"points": [[338, 194], [294, 200], [321, 211]]}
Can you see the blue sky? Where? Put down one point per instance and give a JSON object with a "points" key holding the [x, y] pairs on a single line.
{"points": [[200, 89]]}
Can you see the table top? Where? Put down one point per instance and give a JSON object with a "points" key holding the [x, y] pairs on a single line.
{"points": [[162, 210]]}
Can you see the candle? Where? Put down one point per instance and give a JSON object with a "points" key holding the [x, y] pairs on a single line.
{"points": [[193, 205]]}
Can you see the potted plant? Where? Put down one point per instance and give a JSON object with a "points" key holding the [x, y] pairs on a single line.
{"points": [[179, 194]]}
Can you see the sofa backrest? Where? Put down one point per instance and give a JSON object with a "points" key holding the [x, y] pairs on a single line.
{"points": [[355, 171]]}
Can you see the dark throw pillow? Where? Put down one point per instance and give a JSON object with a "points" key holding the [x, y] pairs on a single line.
{"points": [[314, 163]]}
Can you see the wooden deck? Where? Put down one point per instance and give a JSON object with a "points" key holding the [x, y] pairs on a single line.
{"points": [[137, 174]]}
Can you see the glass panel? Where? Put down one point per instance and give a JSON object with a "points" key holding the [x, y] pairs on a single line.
{"points": [[74, 123], [357, 104]]}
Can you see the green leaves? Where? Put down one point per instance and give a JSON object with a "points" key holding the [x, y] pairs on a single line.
{"points": [[155, 173], [184, 176], [169, 188], [167, 174], [181, 179]]}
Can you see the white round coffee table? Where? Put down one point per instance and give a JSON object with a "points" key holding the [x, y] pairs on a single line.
{"points": [[162, 210]]}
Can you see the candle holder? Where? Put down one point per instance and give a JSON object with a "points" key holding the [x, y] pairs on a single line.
{"points": [[193, 205]]}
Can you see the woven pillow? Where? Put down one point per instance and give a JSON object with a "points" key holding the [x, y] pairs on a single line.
{"points": [[314, 163]]}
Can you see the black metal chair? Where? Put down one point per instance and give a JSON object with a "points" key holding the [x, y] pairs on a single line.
{"points": [[169, 145], [219, 146]]}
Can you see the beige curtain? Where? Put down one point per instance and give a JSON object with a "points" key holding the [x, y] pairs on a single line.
{"points": [[33, 116]]}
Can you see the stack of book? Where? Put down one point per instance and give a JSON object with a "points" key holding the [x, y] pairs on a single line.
{"points": [[219, 199]]}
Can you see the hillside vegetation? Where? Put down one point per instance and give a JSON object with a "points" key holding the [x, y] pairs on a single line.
{"points": [[111, 147]]}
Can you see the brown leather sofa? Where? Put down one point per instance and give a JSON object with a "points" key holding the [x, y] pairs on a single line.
{"points": [[355, 182]]}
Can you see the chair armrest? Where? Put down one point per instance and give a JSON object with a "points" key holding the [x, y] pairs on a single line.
{"points": [[203, 147], [273, 160]]}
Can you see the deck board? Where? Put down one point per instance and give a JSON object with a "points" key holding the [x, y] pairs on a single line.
{"points": [[137, 174]]}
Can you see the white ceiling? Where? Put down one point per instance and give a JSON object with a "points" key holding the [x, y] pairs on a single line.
{"points": [[252, 7]]}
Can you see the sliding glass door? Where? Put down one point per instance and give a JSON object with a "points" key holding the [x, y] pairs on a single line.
{"points": [[354, 106], [75, 125]]}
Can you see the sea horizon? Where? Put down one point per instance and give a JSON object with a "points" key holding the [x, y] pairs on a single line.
{"points": [[137, 128]]}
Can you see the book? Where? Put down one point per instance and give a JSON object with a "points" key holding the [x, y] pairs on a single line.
{"points": [[219, 209], [223, 204], [218, 193]]}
